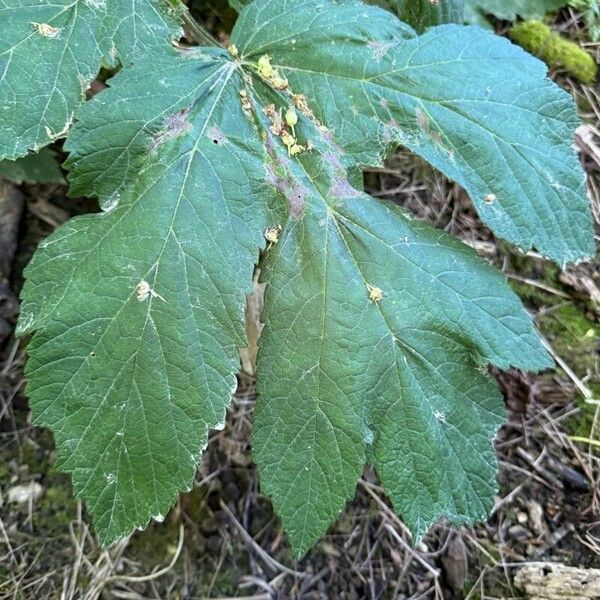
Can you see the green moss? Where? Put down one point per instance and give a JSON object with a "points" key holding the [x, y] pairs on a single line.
{"points": [[586, 423], [531, 295], [576, 339], [555, 50], [56, 508], [573, 334], [534, 296], [4, 473]]}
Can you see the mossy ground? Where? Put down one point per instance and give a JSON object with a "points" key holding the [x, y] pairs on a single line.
{"points": [[573, 330]]}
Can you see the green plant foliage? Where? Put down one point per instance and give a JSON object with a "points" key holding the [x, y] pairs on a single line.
{"points": [[523, 178], [42, 167], [50, 53], [342, 373], [163, 273], [239, 4], [591, 16], [509, 10], [422, 14], [378, 328], [554, 50]]}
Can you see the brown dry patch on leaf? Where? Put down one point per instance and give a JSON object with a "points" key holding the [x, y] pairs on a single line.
{"points": [[294, 192], [301, 103], [275, 116], [280, 177], [425, 126], [333, 159], [296, 197]]}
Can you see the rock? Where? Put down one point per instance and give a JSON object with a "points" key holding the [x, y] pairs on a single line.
{"points": [[24, 494], [518, 533], [455, 563]]}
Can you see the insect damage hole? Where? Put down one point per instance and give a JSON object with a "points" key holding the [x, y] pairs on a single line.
{"points": [[216, 135]]}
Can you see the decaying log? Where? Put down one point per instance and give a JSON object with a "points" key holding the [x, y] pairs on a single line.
{"points": [[553, 581]]}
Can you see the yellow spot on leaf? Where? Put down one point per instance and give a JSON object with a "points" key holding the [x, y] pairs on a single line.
{"points": [[289, 140], [144, 291], [291, 118], [272, 235], [46, 30], [246, 104], [375, 294], [280, 83], [264, 66]]}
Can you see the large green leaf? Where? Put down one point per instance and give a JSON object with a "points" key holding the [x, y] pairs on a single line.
{"points": [[476, 10], [472, 104], [51, 51], [422, 14], [339, 372], [378, 329], [139, 310]]}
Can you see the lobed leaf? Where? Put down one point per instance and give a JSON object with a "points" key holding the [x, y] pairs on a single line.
{"points": [[422, 14], [341, 374], [51, 52], [472, 104], [378, 329], [138, 311]]}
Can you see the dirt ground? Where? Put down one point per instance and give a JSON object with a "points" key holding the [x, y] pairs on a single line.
{"points": [[222, 540]]}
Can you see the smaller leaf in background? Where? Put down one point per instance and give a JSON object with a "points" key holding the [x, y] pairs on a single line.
{"points": [[60, 46], [42, 167], [238, 4], [422, 14], [591, 16], [509, 10], [554, 50]]}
